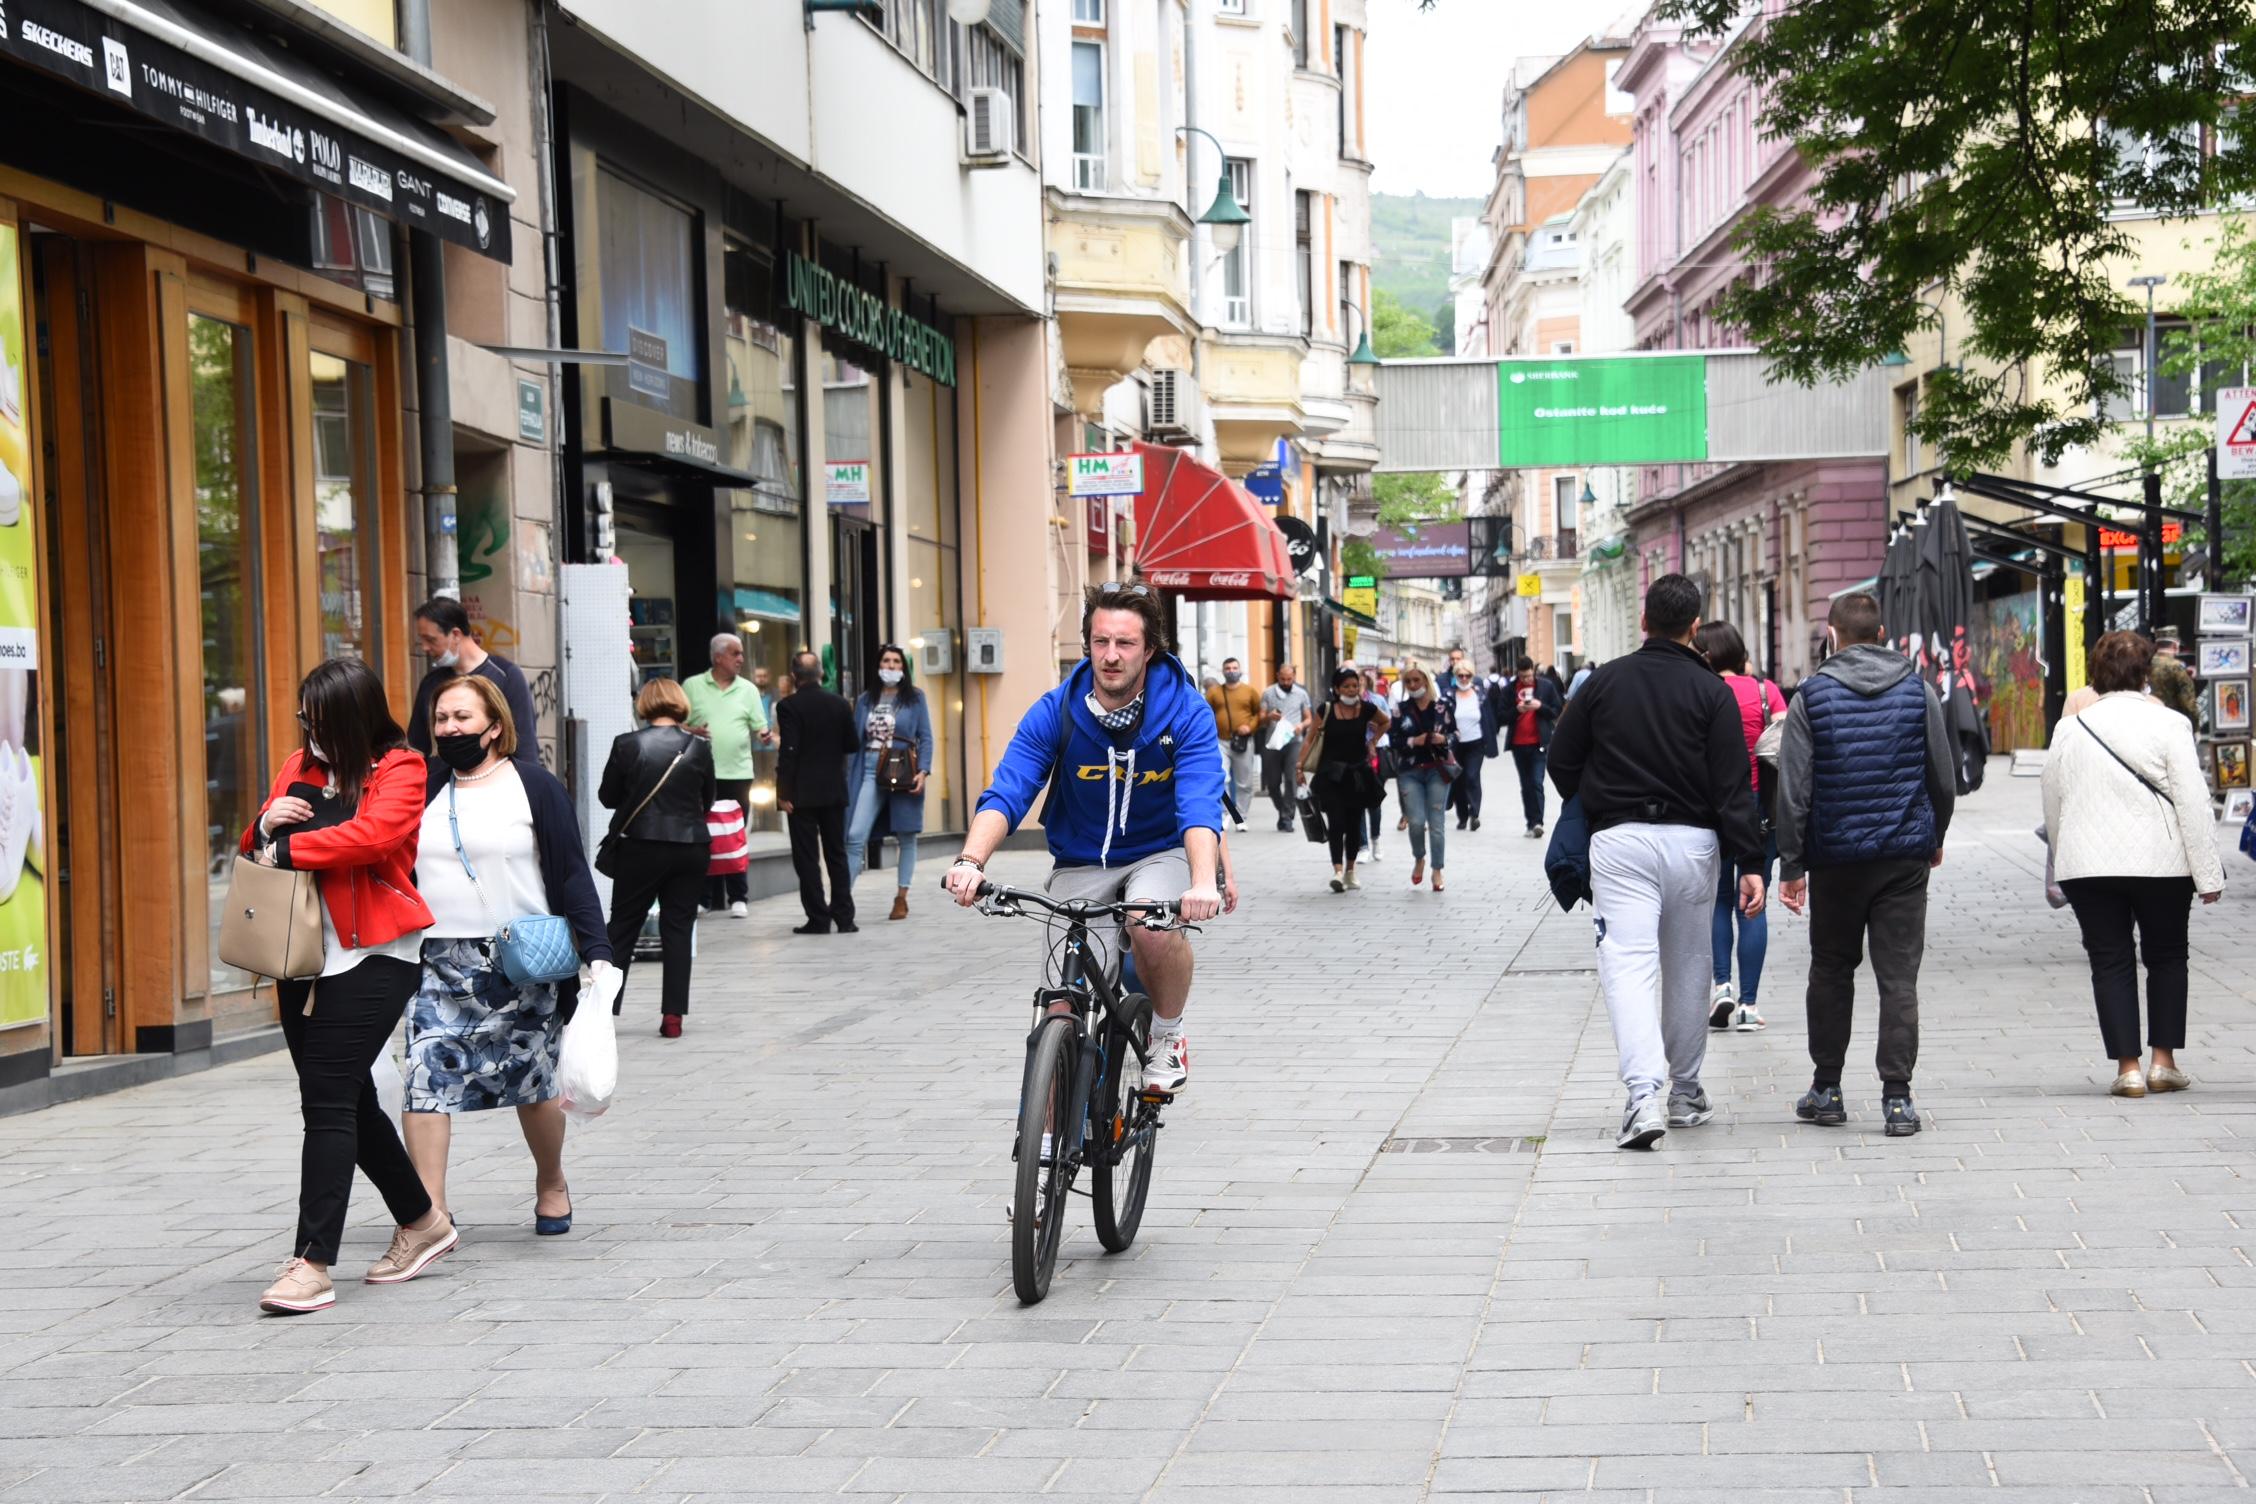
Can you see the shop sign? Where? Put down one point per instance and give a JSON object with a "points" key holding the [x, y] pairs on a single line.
{"points": [[2172, 532], [1348, 634], [1618, 410], [1104, 474], [1362, 594], [2236, 433], [1266, 485], [70, 40], [1529, 586], [532, 419], [865, 318], [846, 483], [23, 882], [646, 364], [1426, 551], [635, 429], [1300, 542]]}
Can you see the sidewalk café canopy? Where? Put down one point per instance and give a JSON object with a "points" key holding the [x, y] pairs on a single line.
{"points": [[1199, 534]]}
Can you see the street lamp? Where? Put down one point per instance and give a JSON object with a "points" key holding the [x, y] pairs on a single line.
{"points": [[1363, 364], [2149, 283], [1225, 217]]}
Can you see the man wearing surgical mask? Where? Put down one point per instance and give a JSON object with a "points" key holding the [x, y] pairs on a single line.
{"points": [[1237, 713], [442, 631]]}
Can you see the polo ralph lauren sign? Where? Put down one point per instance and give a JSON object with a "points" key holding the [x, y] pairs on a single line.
{"points": [[867, 319]]}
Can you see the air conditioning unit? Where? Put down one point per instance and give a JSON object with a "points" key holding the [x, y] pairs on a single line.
{"points": [[990, 128], [1177, 406]]}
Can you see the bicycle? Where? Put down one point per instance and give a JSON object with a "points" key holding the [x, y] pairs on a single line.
{"points": [[1084, 1067]]}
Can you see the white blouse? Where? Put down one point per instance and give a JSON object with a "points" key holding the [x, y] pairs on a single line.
{"points": [[496, 821]]}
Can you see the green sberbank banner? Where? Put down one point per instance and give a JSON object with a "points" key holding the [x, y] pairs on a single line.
{"points": [[1573, 411]]}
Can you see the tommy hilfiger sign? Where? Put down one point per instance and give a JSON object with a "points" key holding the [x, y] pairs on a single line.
{"points": [[865, 318]]}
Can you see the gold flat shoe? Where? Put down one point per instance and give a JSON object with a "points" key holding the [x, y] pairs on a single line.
{"points": [[2167, 1078], [2128, 1084]]}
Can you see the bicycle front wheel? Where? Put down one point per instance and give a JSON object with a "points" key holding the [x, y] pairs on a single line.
{"points": [[1045, 1134], [1120, 1163]]}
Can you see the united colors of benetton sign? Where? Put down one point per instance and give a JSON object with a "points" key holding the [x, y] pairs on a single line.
{"points": [[867, 319]]}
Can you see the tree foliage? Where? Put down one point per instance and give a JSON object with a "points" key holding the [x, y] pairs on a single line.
{"points": [[1360, 556], [2219, 307], [1978, 150], [1398, 333], [1420, 496]]}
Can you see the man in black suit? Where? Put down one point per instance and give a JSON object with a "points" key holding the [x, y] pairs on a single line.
{"points": [[816, 730]]}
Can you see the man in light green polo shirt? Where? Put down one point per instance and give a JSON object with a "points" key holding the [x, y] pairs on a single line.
{"points": [[725, 707]]}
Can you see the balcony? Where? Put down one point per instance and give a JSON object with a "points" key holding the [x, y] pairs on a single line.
{"points": [[1253, 391], [1121, 281]]}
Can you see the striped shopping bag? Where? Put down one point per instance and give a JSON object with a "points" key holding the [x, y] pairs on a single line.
{"points": [[724, 822]]}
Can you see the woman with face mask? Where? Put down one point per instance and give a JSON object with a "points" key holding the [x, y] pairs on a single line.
{"points": [[1476, 730], [892, 718], [347, 808], [659, 785], [499, 841], [1425, 737], [1337, 766]]}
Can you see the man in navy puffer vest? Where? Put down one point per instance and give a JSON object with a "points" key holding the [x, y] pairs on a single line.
{"points": [[1865, 789]]}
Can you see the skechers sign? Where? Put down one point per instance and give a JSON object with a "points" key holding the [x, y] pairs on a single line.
{"points": [[865, 318], [350, 150], [1618, 410]]}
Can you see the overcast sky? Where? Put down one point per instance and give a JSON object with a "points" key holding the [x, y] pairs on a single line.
{"points": [[1436, 78]]}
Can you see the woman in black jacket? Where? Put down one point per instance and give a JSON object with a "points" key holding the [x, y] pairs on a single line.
{"points": [[659, 784]]}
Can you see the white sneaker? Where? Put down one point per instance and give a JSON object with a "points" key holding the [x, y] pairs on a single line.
{"points": [[739, 909], [1170, 1067], [1722, 1003], [1747, 1019], [1237, 824]]}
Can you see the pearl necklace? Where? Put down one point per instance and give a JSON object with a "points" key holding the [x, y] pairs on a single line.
{"points": [[481, 777]]}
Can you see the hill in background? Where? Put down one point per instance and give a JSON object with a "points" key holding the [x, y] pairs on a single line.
{"points": [[1410, 250]]}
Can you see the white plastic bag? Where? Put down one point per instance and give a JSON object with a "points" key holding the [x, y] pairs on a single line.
{"points": [[587, 1066], [391, 1091]]}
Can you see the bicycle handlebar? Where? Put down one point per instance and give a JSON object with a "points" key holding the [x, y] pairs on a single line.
{"points": [[997, 898]]}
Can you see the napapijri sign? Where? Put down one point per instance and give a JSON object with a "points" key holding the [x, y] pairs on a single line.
{"points": [[138, 71]]}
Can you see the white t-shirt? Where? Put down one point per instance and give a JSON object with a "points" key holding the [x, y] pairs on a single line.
{"points": [[497, 832], [1469, 714]]}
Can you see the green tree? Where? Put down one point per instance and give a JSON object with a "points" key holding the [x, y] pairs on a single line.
{"points": [[1445, 327], [1983, 150], [2219, 306], [1396, 332], [1361, 556], [1419, 496]]}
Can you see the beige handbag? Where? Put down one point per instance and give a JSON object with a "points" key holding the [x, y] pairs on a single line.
{"points": [[272, 924]]}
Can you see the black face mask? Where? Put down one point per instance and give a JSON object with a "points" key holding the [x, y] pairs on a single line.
{"points": [[461, 751]]}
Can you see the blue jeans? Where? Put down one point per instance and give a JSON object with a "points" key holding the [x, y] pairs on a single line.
{"points": [[868, 799], [1754, 934], [1425, 800]]}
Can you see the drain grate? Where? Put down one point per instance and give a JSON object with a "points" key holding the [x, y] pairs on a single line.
{"points": [[1502, 1144]]}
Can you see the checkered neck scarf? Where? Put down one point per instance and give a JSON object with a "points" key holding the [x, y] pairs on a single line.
{"points": [[1126, 718]]}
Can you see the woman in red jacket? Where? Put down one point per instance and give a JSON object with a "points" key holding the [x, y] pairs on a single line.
{"points": [[349, 807]]}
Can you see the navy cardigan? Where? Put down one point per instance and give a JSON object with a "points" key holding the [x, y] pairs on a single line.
{"points": [[563, 864]]}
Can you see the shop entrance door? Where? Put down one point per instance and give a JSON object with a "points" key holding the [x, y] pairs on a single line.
{"points": [[855, 593], [81, 828]]}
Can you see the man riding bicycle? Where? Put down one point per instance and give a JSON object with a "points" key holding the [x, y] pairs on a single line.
{"points": [[1127, 749]]}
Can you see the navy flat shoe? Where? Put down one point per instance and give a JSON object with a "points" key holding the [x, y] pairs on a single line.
{"points": [[549, 1227]]}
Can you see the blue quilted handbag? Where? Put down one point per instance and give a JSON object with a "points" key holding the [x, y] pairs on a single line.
{"points": [[532, 948]]}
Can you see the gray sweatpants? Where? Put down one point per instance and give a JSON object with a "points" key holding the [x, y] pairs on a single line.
{"points": [[1653, 889]]}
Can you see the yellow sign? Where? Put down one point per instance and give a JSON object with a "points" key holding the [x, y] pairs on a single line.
{"points": [[1347, 634], [1530, 586], [24, 856], [1361, 598], [2072, 606]]}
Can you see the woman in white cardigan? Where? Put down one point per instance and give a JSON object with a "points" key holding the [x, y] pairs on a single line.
{"points": [[2133, 840]]}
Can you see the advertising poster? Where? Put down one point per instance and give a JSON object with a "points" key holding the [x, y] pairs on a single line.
{"points": [[1617, 410], [23, 899]]}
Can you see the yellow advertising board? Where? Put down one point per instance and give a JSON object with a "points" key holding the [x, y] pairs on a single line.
{"points": [[1530, 586], [23, 853]]}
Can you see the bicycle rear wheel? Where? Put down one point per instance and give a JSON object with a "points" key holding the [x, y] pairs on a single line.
{"points": [[1119, 1171], [1038, 1203]]}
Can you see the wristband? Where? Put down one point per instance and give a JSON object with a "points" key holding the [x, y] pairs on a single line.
{"points": [[965, 861]]}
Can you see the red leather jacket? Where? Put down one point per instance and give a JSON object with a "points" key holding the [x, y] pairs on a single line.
{"points": [[366, 864]]}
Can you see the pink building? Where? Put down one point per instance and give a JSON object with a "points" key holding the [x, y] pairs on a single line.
{"points": [[1771, 542]]}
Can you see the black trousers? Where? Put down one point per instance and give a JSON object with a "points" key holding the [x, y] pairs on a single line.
{"points": [[2110, 910], [354, 1014], [818, 840], [669, 874], [1886, 900], [1344, 814], [1465, 793], [720, 892], [1529, 761]]}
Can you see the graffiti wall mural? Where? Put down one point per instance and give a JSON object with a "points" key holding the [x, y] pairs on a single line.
{"points": [[2009, 669]]}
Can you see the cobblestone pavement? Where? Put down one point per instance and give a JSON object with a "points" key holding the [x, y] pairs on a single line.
{"points": [[1391, 1255]]}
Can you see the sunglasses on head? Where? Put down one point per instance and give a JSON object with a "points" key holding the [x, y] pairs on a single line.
{"points": [[1127, 587]]}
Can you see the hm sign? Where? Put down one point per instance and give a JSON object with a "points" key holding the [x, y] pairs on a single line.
{"points": [[2236, 433], [1105, 474]]}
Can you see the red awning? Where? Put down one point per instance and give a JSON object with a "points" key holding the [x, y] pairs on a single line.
{"points": [[1199, 534]]}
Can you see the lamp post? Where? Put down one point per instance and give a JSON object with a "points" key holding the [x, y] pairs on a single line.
{"points": [[2152, 603], [1363, 363], [1225, 217]]}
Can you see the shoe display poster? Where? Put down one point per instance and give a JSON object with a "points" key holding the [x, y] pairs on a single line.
{"points": [[23, 905]]}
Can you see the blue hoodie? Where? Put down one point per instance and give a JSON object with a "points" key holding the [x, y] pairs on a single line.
{"points": [[1166, 782]]}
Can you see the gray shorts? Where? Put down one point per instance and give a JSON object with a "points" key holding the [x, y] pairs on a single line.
{"points": [[1160, 878]]}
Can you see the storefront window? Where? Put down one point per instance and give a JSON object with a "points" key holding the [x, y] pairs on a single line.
{"points": [[219, 369], [638, 287], [853, 423], [766, 520], [344, 489], [928, 493]]}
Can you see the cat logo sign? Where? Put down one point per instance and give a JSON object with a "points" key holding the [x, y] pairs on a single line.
{"points": [[2236, 433]]}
